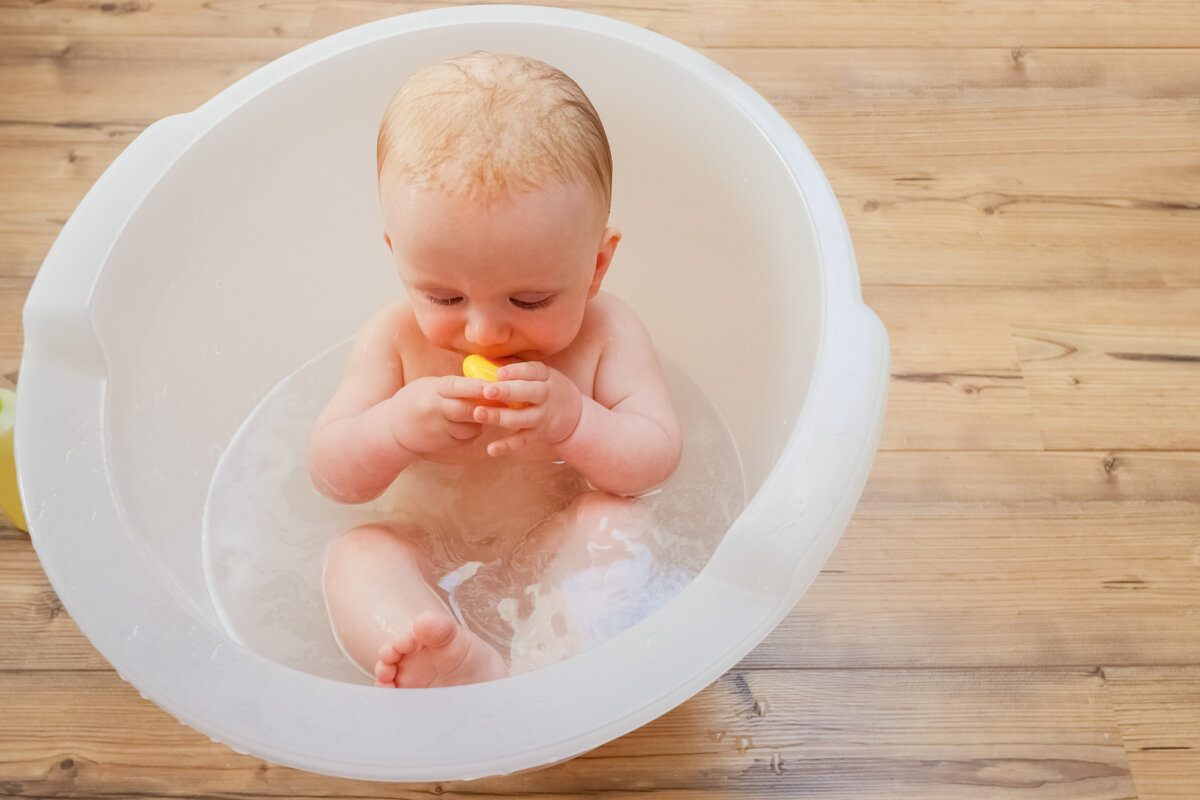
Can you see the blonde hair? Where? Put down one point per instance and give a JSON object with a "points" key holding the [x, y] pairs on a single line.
{"points": [[488, 125]]}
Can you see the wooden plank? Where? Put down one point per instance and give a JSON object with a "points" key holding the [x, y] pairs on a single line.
{"points": [[13, 292], [995, 160], [1118, 410], [1111, 371], [44, 183], [992, 155], [138, 18], [917, 23], [1001, 484], [1158, 711], [800, 80], [956, 383], [975, 369], [987, 236], [70, 47], [835, 734], [1141, 331], [1086, 584], [128, 91], [959, 411], [35, 628], [947, 329]]}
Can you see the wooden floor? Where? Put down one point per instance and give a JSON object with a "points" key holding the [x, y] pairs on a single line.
{"points": [[1012, 612]]}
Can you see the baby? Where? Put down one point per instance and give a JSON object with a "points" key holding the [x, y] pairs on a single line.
{"points": [[495, 182]]}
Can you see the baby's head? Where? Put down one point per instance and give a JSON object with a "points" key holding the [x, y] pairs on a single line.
{"points": [[489, 125], [495, 177]]}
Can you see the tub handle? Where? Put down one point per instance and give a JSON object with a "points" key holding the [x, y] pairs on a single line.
{"points": [[84, 244], [59, 335]]}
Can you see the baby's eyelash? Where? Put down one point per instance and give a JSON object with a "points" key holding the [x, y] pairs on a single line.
{"points": [[443, 301], [530, 306]]}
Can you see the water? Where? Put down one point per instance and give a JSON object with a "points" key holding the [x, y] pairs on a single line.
{"points": [[266, 531]]}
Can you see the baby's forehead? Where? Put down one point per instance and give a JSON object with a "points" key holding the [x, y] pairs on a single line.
{"points": [[456, 184]]}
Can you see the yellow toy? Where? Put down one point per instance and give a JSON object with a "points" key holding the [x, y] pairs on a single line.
{"points": [[479, 367], [10, 500]]}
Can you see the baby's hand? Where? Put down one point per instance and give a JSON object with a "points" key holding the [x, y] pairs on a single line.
{"points": [[550, 406], [436, 414]]}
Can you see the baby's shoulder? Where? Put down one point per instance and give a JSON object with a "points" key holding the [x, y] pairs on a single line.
{"points": [[395, 322], [388, 336], [608, 309], [610, 317]]}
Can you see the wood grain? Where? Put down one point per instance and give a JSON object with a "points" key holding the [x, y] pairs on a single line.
{"points": [[761, 23], [1012, 612], [1159, 712], [778, 733]]}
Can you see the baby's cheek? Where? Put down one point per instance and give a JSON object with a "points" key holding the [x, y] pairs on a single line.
{"points": [[559, 333], [438, 331]]}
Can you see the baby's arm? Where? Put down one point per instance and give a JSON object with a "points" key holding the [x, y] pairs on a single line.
{"points": [[376, 425], [626, 440]]}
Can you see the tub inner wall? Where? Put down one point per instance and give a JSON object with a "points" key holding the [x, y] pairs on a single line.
{"points": [[263, 246]]}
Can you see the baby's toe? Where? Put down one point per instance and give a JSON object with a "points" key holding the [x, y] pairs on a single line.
{"points": [[434, 630], [385, 672], [399, 648]]}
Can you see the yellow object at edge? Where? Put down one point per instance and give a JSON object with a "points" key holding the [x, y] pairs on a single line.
{"points": [[10, 500]]}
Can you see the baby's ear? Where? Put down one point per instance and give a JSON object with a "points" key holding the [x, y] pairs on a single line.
{"points": [[387, 240], [604, 257]]}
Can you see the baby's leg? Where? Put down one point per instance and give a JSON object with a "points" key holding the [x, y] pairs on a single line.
{"points": [[390, 621], [596, 530], [591, 570]]}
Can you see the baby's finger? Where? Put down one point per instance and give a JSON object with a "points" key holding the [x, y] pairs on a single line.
{"points": [[456, 410], [454, 387], [524, 371], [518, 391], [509, 444], [463, 431], [511, 418]]}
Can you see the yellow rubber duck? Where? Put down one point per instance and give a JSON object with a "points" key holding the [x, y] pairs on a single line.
{"points": [[474, 366], [479, 367]]}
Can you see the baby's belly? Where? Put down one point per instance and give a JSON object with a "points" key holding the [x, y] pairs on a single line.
{"points": [[477, 451], [478, 510]]}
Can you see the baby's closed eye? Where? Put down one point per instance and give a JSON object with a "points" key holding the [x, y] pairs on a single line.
{"points": [[529, 302]]}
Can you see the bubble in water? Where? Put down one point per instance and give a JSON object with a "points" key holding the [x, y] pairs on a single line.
{"points": [[266, 531]]}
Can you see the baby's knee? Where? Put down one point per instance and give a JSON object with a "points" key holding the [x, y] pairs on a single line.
{"points": [[364, 543], [601, 515]]}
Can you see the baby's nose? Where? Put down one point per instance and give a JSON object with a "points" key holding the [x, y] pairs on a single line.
{"points": [[485, 330]]}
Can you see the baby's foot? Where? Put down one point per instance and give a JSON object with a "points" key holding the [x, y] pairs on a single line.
{"points": [[438, 652]]}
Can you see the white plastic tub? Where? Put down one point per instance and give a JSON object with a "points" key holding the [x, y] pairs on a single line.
{"points": [[226, 246]]}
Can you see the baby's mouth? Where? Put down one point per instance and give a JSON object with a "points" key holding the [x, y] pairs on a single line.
{"points": [[496, 358]]}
